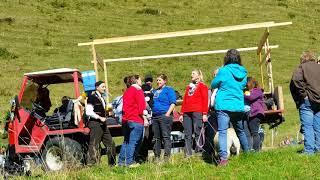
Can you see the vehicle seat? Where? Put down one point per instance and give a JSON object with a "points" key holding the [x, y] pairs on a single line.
{"points": [[61, 120]]}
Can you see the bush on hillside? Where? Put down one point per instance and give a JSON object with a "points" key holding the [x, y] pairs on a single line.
{"points": [[5, 54], [7, 20], [150, 11]]}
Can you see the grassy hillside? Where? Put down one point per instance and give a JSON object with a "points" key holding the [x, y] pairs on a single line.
{"points": [[43, 34]]}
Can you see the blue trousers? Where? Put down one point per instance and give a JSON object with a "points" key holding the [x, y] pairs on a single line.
{"points": [[310, 124], [236, 118], [133, 134]]}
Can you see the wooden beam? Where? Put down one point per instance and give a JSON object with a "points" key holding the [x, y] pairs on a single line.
{"points": [[184, 33], [180, 54], [262, 41], [177, 33], [94, 57]]}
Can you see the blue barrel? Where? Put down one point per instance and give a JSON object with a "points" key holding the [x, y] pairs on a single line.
{"points": [[89, 79]]}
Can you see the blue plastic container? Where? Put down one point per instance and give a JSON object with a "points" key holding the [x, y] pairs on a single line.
{"points": [[89, 79]]}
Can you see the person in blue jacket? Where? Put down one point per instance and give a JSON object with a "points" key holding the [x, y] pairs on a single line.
{"points": [[230, 80]]}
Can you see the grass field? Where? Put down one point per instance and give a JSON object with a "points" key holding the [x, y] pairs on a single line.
{"points": [[43, 34], [283, 163]]}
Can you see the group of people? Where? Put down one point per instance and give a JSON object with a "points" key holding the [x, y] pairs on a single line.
{"points": [[235, 99]]}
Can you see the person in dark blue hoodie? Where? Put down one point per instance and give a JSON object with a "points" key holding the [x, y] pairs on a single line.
{"points": [[230, 80]]}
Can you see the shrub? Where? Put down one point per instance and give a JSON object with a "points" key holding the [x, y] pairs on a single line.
{"points": [[4, 53], [7, 20], [59, 4], [150, 11]]}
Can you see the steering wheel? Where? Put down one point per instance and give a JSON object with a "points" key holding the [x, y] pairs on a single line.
{"points": [[37, 107]]}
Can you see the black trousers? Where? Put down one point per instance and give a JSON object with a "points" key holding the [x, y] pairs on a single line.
{"points": [[254, 124], [161, 126], [192, 122], [100, 132]]}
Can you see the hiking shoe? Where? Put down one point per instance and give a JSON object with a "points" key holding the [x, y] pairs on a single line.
{"points": [[134, 165], [223, 162]]}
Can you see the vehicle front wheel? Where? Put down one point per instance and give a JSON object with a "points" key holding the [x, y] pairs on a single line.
{"points": [[62, 153]]}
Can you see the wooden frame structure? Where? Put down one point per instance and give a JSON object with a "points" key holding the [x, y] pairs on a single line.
{"points": [[263, 44]]}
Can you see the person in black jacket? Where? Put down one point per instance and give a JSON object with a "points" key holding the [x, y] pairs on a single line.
{"points": [[99, 131], [305, 90]]}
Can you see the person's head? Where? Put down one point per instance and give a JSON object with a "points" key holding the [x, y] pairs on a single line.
{"points": [[196, 76], [133, 79], [148, 79], [161, 80], [65, 99], [307, 56], [100, 87], [252, 83], [232, 57]]}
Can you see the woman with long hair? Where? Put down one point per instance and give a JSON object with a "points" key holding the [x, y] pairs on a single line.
{"points": [[194, 110]]}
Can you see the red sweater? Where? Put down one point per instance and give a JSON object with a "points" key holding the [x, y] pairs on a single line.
{"points": [[133, 105], [196, 101]]}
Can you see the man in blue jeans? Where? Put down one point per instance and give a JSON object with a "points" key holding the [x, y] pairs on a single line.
{"points": [[305, 90], [230, 81]]}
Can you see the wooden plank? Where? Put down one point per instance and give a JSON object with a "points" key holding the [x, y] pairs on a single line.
{"points": [[180, 54], [261, 71], [278, 96], [262, 41], [106, 82], [265, 56], [184, 33], [178, 33], [94, 56]]}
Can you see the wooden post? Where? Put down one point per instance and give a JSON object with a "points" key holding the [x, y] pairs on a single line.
{"points": [[261, 69], [269, 65], [106, 81], [272, 136], [95, 64]]}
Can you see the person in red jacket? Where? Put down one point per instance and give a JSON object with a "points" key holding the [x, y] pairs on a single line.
{"points": [[134, 105], [194, 109]]}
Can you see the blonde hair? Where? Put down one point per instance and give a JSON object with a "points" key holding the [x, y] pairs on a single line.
{"points": [[200, 74]]}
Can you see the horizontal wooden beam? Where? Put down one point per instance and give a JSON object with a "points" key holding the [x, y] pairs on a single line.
{"points": [[181, 54], [184, 33]]}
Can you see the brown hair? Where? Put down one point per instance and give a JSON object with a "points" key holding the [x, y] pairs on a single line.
{"points": [[307, 56], [253, 81], [129, 80], [163, 76]]}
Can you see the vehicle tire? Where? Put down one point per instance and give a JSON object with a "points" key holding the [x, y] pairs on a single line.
{"points": [[62, 153]]}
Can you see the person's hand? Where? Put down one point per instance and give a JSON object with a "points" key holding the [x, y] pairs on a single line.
{"points": [[145, 121], [102, 119], [181, 118], [204, 118], [167, 115]]}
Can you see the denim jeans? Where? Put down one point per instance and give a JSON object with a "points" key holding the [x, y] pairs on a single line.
{"points": [[161, 126], [192, 123], [133, 133], [310, 124], [236, 118]]}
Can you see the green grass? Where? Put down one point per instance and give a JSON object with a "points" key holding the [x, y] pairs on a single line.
{"points": [[43, 34], [283, 163]]}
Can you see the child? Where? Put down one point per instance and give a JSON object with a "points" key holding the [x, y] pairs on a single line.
{"points": [[255, 99]]}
